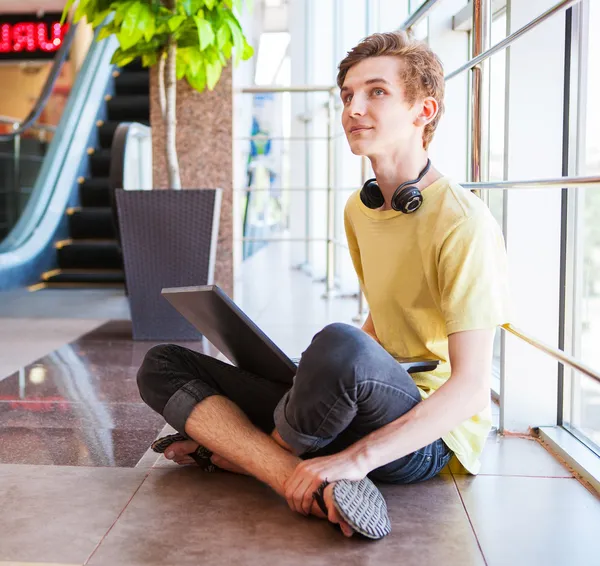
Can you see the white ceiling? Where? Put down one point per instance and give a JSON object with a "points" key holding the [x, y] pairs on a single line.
{"points": [[27, 6]]}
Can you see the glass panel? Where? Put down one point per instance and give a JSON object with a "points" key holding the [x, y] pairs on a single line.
{"points": [[21, 157], [497, 116], [585, 392], [20, 162], [495, 198], [421, 30]]}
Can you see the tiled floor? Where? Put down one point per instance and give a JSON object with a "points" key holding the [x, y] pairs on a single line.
{"points": [[103, 499]]}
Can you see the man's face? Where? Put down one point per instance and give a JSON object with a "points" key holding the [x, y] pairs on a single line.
{"points": [[376, 116]]}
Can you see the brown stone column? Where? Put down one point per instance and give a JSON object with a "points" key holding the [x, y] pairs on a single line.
{"points": [[205, 147]]}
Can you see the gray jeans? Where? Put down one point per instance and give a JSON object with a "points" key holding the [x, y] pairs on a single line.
{"points": [[346, 387]]}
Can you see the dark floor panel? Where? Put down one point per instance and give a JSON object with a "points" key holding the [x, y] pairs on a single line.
{"points": [[66, 375], [98, 447], [184, 516], [59, 515], [62, 414], [80, 405], [121, 330], [533, 521]]}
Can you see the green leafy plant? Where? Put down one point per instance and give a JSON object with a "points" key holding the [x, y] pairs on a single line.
{"points": [[191, 39]]}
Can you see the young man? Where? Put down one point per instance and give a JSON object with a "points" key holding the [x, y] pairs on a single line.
{"points": [[431, 262]]}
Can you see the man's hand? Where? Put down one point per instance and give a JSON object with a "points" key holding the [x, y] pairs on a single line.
{"points": [[310, 474]]}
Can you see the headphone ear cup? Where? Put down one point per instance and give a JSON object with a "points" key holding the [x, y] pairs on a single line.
{"points": [[407, 200], [371, 195]]}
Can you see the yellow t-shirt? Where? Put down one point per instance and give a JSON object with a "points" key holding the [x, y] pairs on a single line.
{"points": [[429, 274]]}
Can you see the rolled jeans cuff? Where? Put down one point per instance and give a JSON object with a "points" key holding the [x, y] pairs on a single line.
{"points": [[182, 403], [301, 443]]}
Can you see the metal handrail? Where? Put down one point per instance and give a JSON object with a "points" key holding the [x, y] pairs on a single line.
{"points": [[35, 125], [59, 59], [421, 13], [558, 182], [563, 5], [554, 352], [331, 136], [291, 88]]}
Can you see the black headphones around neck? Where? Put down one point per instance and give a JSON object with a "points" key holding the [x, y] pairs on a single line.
{"points": [[406, 198]]}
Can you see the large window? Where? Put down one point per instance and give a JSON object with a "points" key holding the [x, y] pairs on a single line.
{"points": [[583, 404], [497, 115]]}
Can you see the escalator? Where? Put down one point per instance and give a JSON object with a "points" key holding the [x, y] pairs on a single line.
{"points": [[90, 256], [63, 233]]}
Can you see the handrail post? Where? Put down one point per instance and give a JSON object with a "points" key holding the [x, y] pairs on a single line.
{"points": [[307, 195], [482, 26], [363, 179], [16, 176], [330, 252]]}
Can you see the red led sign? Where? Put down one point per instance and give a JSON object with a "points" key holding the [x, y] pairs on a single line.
{"points": [[28, 37]]}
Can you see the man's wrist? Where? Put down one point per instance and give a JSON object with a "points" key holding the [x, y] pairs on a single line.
{"points": [[361, 456]]}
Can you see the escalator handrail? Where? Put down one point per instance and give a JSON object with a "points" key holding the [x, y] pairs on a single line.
{"points": [[36, 126], [59, 59], [61, 164]]}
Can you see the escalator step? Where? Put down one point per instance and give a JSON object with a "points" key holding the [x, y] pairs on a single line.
{"points": [[134, 66], [107, 131], [129, 108], [91, 223], [129, 83], [100, 163], [95, 192], [90, 254], [84, 276]]}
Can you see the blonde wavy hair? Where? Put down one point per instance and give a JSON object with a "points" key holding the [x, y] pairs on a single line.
{"points": [[422, 76]]}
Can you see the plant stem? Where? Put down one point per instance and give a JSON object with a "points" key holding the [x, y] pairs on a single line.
{"points": [[171, 120], [162, 98]]}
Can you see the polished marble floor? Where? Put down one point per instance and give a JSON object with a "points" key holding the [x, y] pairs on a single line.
{"points": [[78, 484]]}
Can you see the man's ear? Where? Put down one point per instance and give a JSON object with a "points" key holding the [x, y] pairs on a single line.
{"points": [[429, 110]]}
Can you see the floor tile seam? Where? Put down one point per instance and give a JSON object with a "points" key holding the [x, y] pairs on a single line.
{"points": [[3, 465], [518, 476], [116, 520], [462, 501], [83, 402]]}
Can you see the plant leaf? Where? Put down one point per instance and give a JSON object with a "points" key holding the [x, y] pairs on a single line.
{"points": [[197, 80], [175, 22], [149, 59], [238, 36], [213, 73], [121, 11], [195, 60], [105, 32], [223, 36], [210, 4], [192, 6], [66, 10], [206, 34], [181, 63], [248, 51], [100, 17], [80, 11], [150, 28], [120, 58], [135, 24]]}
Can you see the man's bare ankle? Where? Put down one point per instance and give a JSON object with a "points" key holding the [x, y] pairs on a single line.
{"points": [[277, 438]]}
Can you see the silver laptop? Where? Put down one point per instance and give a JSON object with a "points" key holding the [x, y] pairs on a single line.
{"points": [[214, 314]]}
